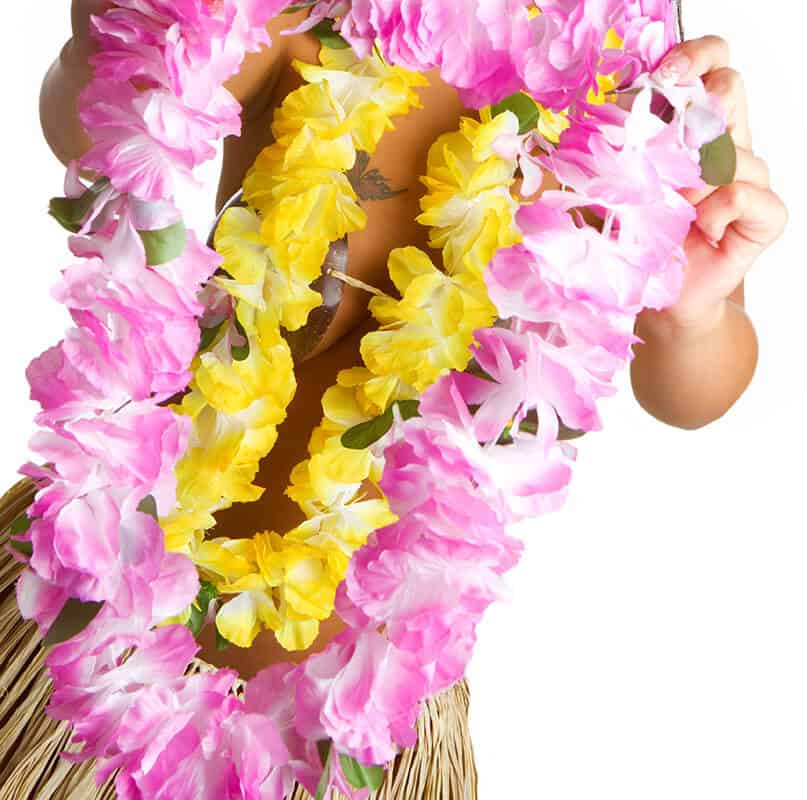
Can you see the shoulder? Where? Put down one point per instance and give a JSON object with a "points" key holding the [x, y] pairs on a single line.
{"points": [[259, 70]]}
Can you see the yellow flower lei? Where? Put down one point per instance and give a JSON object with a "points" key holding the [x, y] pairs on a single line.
{"points": [[300, 201]]}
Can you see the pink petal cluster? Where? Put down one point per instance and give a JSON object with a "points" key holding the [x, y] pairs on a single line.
{"points": [[137, 328], [157, 104], [489, 49], [122, 686], [363, 693]]}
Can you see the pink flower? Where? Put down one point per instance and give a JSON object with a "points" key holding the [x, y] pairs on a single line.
{"points": [[95, 687], [271, 695], [648, 30], [364, 694], [530, 476], [134, 450], [142, 140], [471, 43], [39, 599], [562, 61]]}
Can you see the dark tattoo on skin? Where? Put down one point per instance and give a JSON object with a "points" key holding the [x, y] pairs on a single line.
{"points": [[369, 184]]}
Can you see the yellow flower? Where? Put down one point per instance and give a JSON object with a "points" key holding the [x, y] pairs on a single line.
{"points": [[468, 205], [344, 526], [291, 589], [258, 281], [262, 385], [429, 331], [368, 90]]}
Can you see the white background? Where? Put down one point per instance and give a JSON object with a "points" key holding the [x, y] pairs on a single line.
{"points": [[654, 646]]}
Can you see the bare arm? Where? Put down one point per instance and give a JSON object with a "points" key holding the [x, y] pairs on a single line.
{"points": [[689, 378]]}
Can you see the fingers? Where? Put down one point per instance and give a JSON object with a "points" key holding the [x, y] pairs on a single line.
{"points": [[750, 169], [741, 220], [693, 58], [727, 84]]}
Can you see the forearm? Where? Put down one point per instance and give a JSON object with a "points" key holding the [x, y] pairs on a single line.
{"points": [[58, 103], [691, 378]]}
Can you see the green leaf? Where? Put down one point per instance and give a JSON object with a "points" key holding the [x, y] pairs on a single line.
{"points": [[408, 408], [207, 592], [221, 643], [148, 505], [328, 36], [361, 436], [240, 352], [208, 335], [719, 161], [72, 620], [200, 607], [359, 776], [20, 525], [26, 548], [322, 786], [196, 620], [164, 244], [523, 106], [70, 212]]}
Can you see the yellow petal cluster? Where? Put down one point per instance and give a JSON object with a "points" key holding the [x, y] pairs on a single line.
{"points": [[428, 332], [469, 205]]}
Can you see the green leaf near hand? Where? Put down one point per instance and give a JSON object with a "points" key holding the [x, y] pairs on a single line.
{"points": [[523, 106], [72, 620], [164, 244], [719, 161], [359, 776], [70, 212]]}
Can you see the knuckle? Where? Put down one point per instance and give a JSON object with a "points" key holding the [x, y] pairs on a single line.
{"points": [[733, 80], [736, 195], [720, 44]]}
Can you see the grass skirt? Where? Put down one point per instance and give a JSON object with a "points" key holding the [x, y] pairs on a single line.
{"points": [[440, 767]]}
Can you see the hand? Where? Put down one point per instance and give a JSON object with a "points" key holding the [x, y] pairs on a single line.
{"points": [[735, 223]]}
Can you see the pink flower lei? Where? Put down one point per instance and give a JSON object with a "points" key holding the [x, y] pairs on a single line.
{"points": [[415, 593]]}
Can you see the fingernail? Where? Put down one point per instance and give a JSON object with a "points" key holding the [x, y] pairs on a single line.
{"points": [[672, 69]]}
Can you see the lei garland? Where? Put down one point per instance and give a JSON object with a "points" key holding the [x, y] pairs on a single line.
{"points": [[151, 425]]}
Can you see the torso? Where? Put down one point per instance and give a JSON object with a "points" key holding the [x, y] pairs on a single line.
{"points": [[401, 158]]}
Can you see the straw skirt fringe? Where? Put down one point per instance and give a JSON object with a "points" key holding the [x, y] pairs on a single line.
{"points": [[440, 767]]}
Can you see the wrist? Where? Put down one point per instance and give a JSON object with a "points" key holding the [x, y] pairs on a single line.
{"points": [[669, 325]]}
